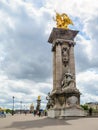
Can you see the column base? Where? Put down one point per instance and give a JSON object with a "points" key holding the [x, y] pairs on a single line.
{"points": [[67, 112]]}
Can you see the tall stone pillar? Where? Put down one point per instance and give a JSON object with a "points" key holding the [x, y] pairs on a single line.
{"points": [[72, 61], [58, 66], [64, 100], [54, 70]]}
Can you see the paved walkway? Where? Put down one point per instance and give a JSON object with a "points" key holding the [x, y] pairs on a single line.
{"points": [[29, 122]]}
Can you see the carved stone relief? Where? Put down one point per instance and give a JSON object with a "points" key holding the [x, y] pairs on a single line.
{"points": [[65, 55], [72, 101], [67, 81], [51, 102]]}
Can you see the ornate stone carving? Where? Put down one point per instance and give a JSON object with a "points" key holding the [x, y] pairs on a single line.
{"points": [[51, 102], [72, 101], [61, 100], [67, 81], [65, 55]]}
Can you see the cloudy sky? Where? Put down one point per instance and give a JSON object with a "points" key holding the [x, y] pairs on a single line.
{"points": [[25, 54]]}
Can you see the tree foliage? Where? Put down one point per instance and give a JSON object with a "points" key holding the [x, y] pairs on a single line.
{"points": [[8, 111], [85, 107]]}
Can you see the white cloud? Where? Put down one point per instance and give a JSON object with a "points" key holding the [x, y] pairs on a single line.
{"points": [[87, 82]]}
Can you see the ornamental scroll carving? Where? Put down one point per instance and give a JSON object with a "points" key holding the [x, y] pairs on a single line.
{"points": [[65, 55]]}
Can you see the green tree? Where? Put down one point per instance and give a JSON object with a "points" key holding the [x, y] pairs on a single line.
{"points": [[85, 107], [8, 111]]}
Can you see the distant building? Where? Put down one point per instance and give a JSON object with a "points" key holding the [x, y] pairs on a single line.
{"points": [[93, 105], [17, 111], [2, 109]]}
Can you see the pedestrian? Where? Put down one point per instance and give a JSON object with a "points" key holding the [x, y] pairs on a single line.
{"points": [[34, 112], [90, 111], [39, 113], [45, 113]]}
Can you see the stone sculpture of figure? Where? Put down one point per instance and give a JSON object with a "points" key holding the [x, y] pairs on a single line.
{"points": [[65, 55], [68, 81], [63, 20], [50, 103]]}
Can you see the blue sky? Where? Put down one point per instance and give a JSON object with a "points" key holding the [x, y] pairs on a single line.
{"points": [[25, 54]]}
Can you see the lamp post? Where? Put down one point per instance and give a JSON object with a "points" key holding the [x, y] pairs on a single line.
{"points": [[13, 106], [20, 107], [38, 103]]}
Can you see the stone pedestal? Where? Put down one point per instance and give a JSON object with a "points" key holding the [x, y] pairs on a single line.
{"points": [[64, 100], [78, 112]]}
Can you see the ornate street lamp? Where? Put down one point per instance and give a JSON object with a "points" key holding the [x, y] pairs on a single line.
{"points": [[13, 106], [20, 107]]}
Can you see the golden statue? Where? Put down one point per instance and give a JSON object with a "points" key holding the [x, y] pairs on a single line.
{"points": [[62, 20], [38, 97]]}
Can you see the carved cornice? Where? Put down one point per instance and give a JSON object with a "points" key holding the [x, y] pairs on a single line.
{"points": [[61, 42], [59, 33]]}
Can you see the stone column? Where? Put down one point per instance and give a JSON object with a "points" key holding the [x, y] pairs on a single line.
{"points": [[65, 100], [58, 66], [72, 60], [54, 70]]}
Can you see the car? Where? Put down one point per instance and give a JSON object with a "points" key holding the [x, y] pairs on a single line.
{"points": [[2, 114]]}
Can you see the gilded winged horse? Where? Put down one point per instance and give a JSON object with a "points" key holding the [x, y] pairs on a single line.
{"points": [[62, 20]]}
